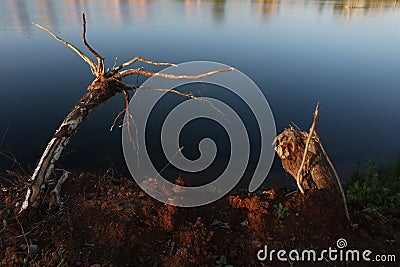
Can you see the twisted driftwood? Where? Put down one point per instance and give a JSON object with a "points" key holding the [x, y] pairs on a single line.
{"points": [[105, 85]]}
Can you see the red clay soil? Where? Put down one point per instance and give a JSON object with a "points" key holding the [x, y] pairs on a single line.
{"points": [[107, 221]]}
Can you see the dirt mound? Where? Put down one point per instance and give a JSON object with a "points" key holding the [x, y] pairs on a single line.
{"points": [[110, 222]]}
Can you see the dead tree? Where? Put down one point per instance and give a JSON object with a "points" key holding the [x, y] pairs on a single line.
{"points": [[105, 85], [304, 157]]}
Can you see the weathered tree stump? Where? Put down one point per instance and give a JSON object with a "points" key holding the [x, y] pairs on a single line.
{"points": [[304, 157], [316, 174]]}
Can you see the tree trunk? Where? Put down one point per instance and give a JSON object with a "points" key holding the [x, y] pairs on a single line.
{"points": [[99, 91]]}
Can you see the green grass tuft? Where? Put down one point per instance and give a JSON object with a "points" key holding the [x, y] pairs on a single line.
{"points": [[375, 187]]}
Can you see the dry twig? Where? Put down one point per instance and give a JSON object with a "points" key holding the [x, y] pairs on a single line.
{"points": [[76, 50], [314, 134], [143, 72], [346, 210], [100, 61], [135, 59], [24, 235], [299, 178]]}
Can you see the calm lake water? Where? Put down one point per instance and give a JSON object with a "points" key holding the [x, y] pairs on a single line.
{"points": [[298, 52]]}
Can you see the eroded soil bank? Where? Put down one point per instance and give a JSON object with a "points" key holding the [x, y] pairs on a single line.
{"points": [[107, 221]]}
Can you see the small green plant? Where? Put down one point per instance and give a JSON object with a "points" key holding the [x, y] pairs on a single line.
{"points": [[280, 210], [223, 262], [375, 187], [63, 263], [24, 261]]}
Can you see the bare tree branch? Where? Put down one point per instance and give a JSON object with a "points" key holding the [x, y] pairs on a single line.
{"points": [[24, 235], [130, 119], [116, 118], [143, 72], [93, 66], [346, 210], [191, 96], [56, 192], [100, 61], [135, 59], [299, 177]]}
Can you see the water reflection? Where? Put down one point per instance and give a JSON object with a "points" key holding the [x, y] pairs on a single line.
{"points": [[349, 9], [193, 9], [218, 10], [123, 12], [266, 9], [47, 13], [20, 16], [73, 9]]}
